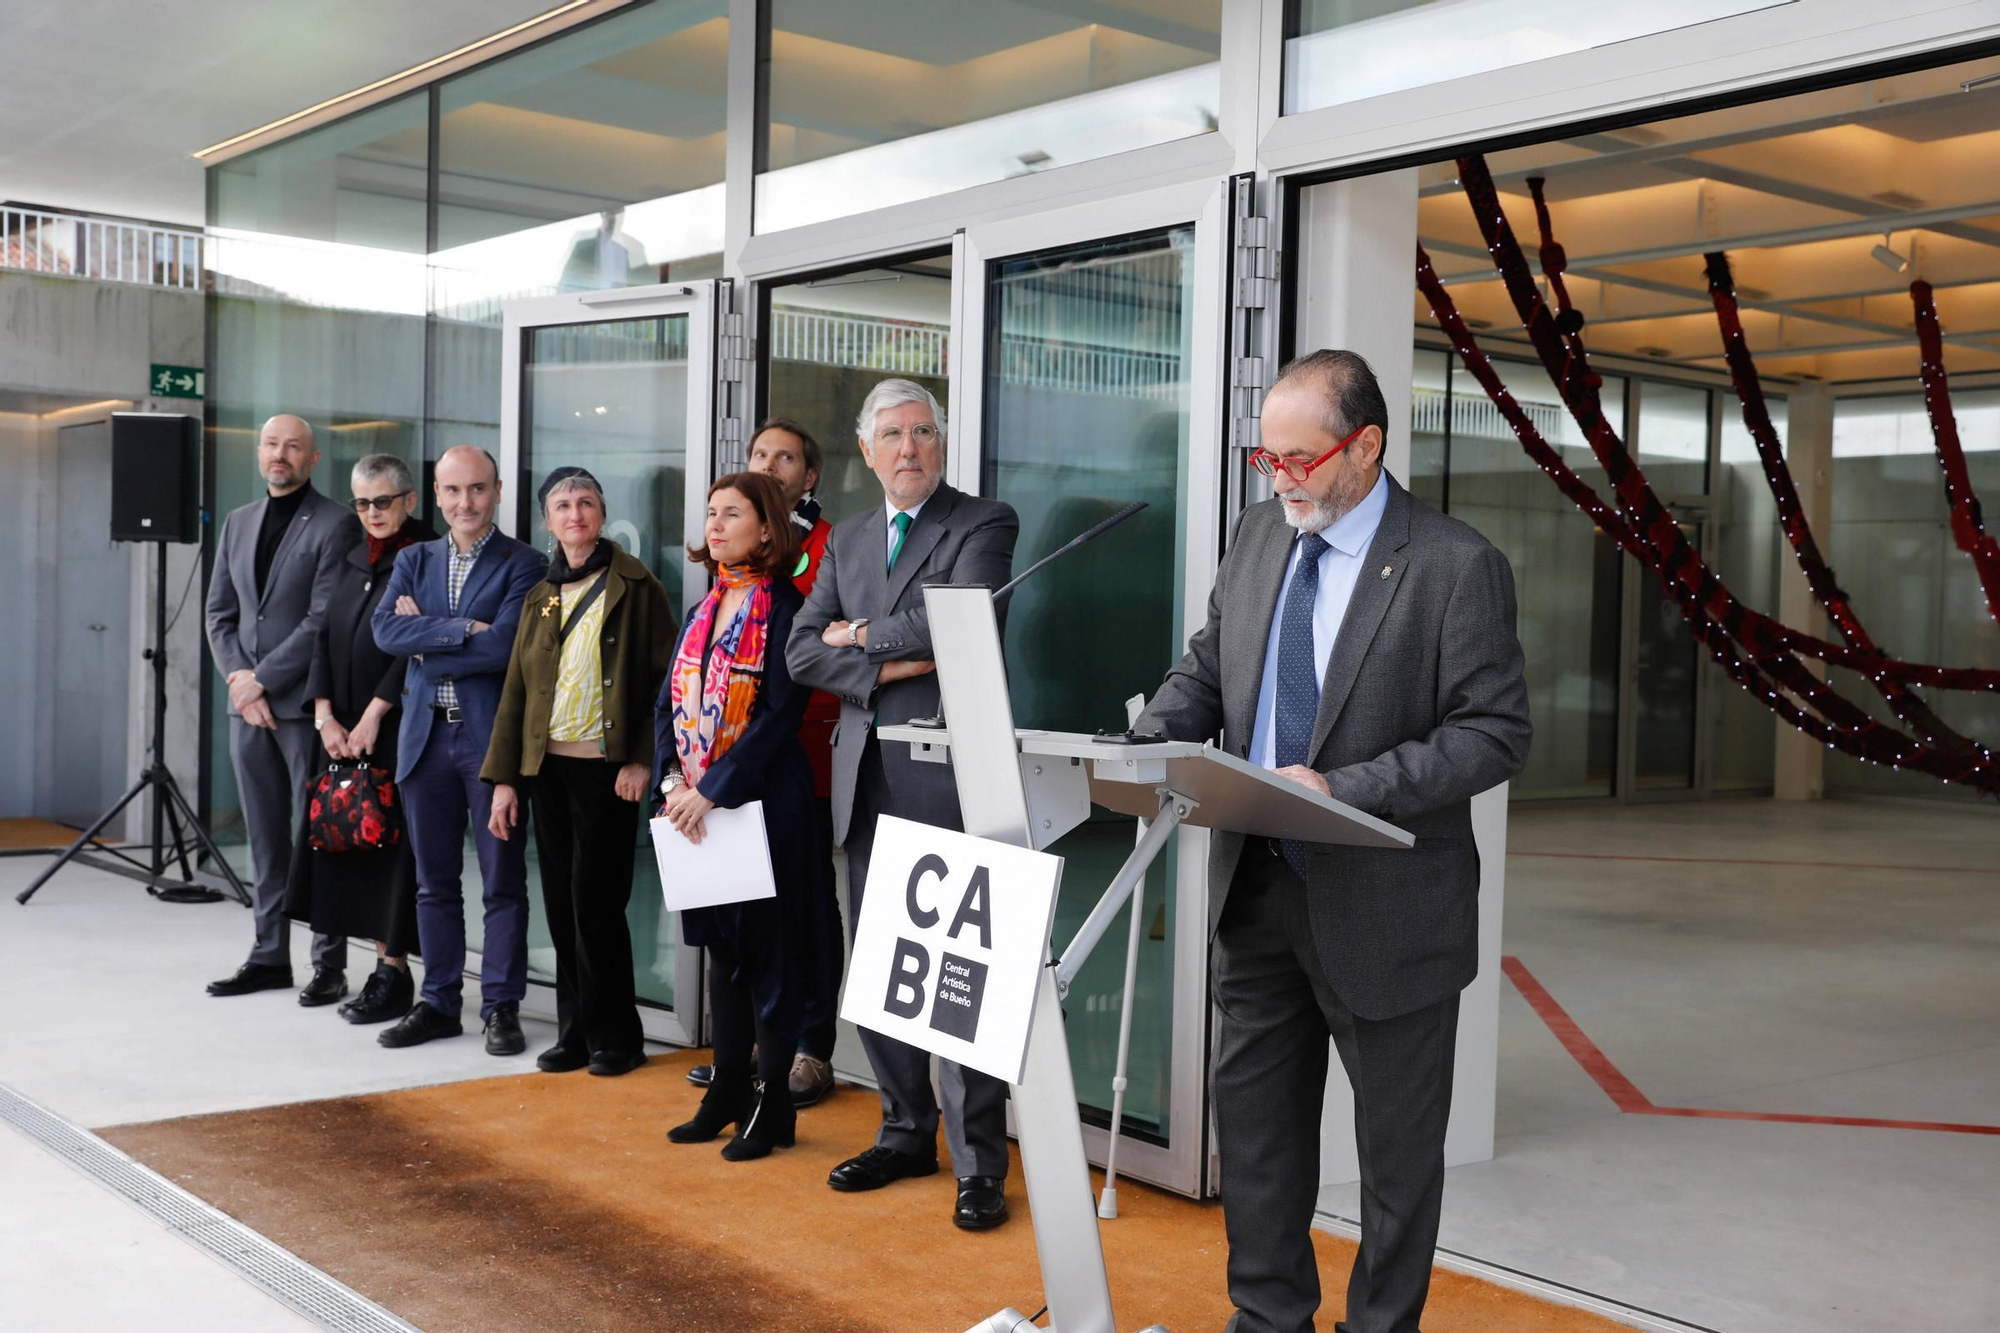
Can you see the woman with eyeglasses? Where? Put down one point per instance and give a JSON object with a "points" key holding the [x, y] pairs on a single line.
{"points": [[364, 892]]}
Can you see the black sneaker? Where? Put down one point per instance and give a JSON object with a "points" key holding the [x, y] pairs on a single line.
{"points": [[503, 1031], [420, 1025], [387, 996]]}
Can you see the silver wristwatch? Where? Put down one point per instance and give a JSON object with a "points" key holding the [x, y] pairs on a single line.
{"points": [[670, 781], [854, 632]]}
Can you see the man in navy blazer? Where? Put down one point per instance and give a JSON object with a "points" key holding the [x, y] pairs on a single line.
{"points": [[452, 608]]}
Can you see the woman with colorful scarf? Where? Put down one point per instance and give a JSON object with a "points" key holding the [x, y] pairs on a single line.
{"points": [[728, 723]]}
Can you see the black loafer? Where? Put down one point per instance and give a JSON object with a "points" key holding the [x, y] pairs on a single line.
{"points": [[610, 1064], [503, 1032], [420, 1025], [878, 1167], [253, 977], [326, 987], [561, 1059], [982, 1204]]}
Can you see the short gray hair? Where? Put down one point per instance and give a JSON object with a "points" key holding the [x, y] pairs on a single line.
{"points": [[579, 481], [384, 465], [895, 393]]}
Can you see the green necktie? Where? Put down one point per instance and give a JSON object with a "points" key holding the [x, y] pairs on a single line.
{"points": [[902, 522]]}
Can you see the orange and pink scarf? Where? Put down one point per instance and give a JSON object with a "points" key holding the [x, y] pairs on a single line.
{"points": [[712, 707]]}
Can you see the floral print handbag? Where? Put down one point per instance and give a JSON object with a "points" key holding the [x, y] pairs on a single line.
{"points": [[352, 808]]}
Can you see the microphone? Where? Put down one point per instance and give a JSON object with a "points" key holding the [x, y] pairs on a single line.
{"points": [[1007, 590]]}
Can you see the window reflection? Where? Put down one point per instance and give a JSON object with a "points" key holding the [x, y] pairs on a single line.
{"points": [[873, 104]]}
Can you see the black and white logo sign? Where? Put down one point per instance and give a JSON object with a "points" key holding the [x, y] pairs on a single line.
{"points": [[953, 934]]}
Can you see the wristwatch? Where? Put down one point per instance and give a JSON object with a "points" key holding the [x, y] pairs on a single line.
{"points": [[319, 723], [854, 632], [670, 781]]}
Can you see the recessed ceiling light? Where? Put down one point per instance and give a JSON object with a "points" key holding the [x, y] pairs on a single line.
{"points": [[1657, 353]]}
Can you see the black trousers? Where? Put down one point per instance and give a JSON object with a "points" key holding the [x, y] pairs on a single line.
{"points": [[818, 1030], [585, 834], [738, 1023], [1275, 1012]]}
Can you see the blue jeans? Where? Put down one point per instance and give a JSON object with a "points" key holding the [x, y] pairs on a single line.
{"points": [[441, 795]]}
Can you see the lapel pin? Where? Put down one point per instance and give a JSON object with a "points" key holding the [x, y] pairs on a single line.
{"points": [[1387, 570]]}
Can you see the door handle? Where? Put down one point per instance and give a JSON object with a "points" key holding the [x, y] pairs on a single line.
{"points": [[97, 629]]}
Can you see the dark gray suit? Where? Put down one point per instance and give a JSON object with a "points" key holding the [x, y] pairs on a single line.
{"points": [[957, 538], [273, 635], [1423, 706]]}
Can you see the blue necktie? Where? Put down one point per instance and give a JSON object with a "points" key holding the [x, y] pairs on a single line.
{"points": [[1297, 702]]}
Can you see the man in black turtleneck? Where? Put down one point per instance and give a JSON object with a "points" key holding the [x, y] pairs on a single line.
{"points": [[275, 561]]}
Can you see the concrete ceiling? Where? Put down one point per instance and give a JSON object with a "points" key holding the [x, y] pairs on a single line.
{"points": [[102, 101]]}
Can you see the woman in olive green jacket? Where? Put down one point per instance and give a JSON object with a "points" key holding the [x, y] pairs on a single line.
{"points": [[574, 733]]}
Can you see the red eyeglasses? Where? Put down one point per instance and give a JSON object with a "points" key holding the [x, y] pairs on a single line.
{"points": [[1271, 464]]}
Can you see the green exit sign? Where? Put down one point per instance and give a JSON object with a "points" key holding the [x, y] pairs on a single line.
{"points": [[178, 382]]}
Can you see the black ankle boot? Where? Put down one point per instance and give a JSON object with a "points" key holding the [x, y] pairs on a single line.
{"points": [[388, 996], [773, 1123], [727, 1101]]}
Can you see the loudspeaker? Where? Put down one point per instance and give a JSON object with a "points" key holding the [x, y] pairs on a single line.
{"points": [[155, 477]]}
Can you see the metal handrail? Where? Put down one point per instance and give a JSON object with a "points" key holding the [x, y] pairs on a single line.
{"points": [[69, 245]]}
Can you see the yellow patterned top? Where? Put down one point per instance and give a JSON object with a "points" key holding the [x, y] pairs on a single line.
{"points": [[578, 714]]}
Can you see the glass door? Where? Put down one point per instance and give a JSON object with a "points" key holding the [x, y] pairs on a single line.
{"points": [[622, 383], [1090, 377]]}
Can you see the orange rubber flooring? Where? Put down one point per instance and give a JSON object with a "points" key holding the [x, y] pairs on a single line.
{"points": [[538, 1202]]}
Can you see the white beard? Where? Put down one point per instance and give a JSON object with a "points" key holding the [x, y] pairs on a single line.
{"points": [[1319, 518]]}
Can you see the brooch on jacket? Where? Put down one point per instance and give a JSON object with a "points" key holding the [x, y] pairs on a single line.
{"points": [[555, 600]]}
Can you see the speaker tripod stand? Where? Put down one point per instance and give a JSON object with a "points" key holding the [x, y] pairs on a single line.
{"points": [[171, 810]]}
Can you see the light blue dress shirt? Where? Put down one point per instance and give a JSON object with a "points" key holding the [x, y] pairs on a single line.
{"points": [[1339, 567]]}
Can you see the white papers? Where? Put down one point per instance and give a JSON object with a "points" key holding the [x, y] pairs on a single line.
{"points": [[731, 863]]}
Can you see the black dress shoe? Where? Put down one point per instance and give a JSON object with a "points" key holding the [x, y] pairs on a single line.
{"points": [[610, 1064], [327, 986], [503, 1031], [701, 1075], [982, 1204], [878, 1167], [386, 996], [420, 1025], [561, 1059], [253, 977]]}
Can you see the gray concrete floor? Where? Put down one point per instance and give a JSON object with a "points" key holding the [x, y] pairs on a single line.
{"points": [[1858, 978]]}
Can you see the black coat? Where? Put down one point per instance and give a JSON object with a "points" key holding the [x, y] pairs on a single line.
{"points": [[770, 940], [348, 668]]}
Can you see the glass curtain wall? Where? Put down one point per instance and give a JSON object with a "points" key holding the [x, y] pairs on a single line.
{"points": [[1892, 546], [833, 337], [316, 308], [1086, 404], [1340, 51], [872, 103], [1751, 556]]}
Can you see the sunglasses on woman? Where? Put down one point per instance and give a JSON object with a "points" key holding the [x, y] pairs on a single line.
{"points": [[1298, 469], [363, 503]]}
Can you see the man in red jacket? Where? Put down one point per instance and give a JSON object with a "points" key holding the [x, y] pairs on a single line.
{"points": [[786, 451]]}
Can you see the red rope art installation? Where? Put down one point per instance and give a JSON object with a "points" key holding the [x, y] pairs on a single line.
{"points": [[1757, 652], [1968, 528]]}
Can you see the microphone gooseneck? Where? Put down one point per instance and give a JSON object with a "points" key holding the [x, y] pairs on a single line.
{"points": [[1007, 590]]}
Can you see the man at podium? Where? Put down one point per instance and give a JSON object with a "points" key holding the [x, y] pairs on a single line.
{"points": [[1361, 644]]}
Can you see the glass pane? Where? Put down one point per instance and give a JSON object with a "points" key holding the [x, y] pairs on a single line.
{"points": [[833, 338], [1673, 437], [1430, 426], [879, 102], [1751, 556], [359, 181], [1566, 574], [1346, 50], [612, 397], [1663, 687], [1892, 548], [1087, 410]]}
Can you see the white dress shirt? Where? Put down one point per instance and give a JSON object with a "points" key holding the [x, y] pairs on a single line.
{"points": [[1347, 542], [889, 547]]}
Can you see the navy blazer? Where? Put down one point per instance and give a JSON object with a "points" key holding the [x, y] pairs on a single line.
{"points": [[437, 643]]}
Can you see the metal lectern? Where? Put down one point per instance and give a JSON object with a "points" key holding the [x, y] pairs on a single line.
{"points": [[1027, 789]]}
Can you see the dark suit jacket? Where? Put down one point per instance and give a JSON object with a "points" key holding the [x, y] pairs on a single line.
{"points": [[1424, 705], [349, 668], [274, 634], [438, 643], [957, 538]]}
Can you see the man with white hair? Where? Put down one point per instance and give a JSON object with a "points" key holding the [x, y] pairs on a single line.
{"points": [[275, 563], [864, 636]]}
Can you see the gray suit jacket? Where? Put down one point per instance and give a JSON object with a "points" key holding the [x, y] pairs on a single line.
{"points": [[957, 538], [273, 634], [1424, 705]]}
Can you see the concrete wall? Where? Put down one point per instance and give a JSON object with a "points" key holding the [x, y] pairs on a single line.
{"points": [[95, 343]]}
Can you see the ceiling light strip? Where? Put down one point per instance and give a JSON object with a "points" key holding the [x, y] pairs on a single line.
{"points": [[383, 89]]}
